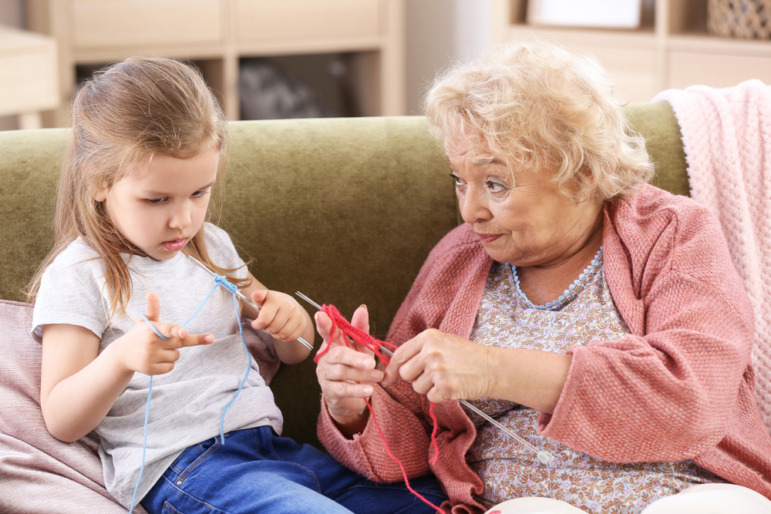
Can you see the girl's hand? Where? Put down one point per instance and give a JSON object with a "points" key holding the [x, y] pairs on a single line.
{"points": [[443, 366], [280, 315], [140, 349], [346, 375]]}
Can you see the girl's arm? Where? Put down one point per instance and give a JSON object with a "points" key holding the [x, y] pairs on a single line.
{"points": [[79, 385], [282, 317]]}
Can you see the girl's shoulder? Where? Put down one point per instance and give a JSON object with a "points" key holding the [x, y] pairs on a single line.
{"points": [[78, 253], [215, 235], [221, 248]]}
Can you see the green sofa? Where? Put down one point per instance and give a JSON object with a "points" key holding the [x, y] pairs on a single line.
{"points": [[343, 210]]}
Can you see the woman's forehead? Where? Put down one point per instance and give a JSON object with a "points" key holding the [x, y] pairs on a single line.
{"points": [[472, 149], [466, 144]]}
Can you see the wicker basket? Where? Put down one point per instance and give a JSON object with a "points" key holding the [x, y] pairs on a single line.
{"points": [[746, 19]]}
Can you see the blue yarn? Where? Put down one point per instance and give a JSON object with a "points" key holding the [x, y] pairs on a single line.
{"points": [[219, 281], [246, 375]]}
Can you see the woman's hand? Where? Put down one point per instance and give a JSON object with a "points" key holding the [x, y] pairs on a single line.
{"points": [[443, 366], [448, 367], [140, 349], [347, 375]]}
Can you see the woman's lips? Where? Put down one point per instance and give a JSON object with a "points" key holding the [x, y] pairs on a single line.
{"points": [[175, 245], [488, 238]]}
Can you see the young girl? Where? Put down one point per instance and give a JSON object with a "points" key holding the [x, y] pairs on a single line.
{"points": [[117, 311]]}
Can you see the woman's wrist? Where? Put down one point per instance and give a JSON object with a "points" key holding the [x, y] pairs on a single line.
{"points": [[350, 424]]}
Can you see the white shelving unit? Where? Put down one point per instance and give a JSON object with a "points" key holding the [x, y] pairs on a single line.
{"points": [[671, 49], [216, 34]]}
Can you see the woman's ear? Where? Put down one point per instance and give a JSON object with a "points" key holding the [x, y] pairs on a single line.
{"points": [[584, 190]]}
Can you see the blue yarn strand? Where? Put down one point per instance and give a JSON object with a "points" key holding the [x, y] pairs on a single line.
{"points": [[246, 375], [147, 417], [201, 306], [144, 445], [219, 281]]}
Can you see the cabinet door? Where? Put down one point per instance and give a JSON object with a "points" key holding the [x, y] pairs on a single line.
{"points": [[265, 20], [145, 23]]}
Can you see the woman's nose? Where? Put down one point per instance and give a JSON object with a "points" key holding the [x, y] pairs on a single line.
{"points": [[473, 206]]}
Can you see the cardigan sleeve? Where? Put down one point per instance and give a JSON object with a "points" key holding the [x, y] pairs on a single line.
{"points": [[367, 454], [667, 391], [402, 415]]}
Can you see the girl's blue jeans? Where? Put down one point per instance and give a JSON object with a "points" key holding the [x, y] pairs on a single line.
{"points": [[257, 471]]}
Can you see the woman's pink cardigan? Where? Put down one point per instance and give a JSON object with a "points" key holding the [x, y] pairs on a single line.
{"points": [[679, 386]]}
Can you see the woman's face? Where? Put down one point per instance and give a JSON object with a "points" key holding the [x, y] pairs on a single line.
{"points": [[520, 218]]}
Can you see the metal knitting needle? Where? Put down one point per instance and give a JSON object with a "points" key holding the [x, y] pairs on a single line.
{"points": [[243, 297], [542, 455]]}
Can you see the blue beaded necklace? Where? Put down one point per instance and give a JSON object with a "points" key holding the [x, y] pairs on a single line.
{"points": [[568, 294]]}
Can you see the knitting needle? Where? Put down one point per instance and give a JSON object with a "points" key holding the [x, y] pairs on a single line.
{"points": [[243, 297], [544, 456]]}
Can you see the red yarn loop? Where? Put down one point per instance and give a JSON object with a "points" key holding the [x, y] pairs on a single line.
{"points": [[354, 333], [375, 345]]}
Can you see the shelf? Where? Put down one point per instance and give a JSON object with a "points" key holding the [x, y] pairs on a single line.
{"points": [[217, 34], [583, 35], [705, 43]]}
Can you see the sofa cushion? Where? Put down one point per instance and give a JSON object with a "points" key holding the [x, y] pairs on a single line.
{"points": [[40, 473]]}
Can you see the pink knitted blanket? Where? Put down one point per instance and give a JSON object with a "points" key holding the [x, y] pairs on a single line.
{"points": [[727, 140]]}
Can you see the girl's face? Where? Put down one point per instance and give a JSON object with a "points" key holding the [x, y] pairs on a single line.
{"points": [[159, 206], [520, 218]]}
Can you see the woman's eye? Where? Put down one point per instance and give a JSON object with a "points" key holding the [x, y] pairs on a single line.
{"points": [[494, 186], [455, 178]]}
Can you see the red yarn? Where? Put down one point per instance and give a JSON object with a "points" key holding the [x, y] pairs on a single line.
{"points": [[354, 333], [366, 339]]}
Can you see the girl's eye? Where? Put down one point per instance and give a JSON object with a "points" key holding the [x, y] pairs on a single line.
{"points": [[200, 193], [155, 201]]}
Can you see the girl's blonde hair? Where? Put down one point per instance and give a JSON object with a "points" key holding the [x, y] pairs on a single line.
{"points": [[541, 108], [121, 117]]}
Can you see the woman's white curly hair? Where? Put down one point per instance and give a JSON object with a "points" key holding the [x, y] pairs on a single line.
{"points": [[539, 107]]}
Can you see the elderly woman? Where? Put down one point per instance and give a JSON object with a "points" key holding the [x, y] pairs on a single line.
{"points": [[595, 315]]}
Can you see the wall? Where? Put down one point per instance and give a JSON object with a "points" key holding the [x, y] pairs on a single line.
{"points": [[440, 32]]}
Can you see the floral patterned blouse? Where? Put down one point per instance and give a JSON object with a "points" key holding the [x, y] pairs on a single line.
{"points": [[506, 318]]}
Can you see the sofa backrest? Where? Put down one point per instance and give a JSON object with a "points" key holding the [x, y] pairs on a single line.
{"points": [[344, 210]]}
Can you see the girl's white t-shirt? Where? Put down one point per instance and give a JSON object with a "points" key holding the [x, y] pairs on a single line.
{"points": [[187, 403]]}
